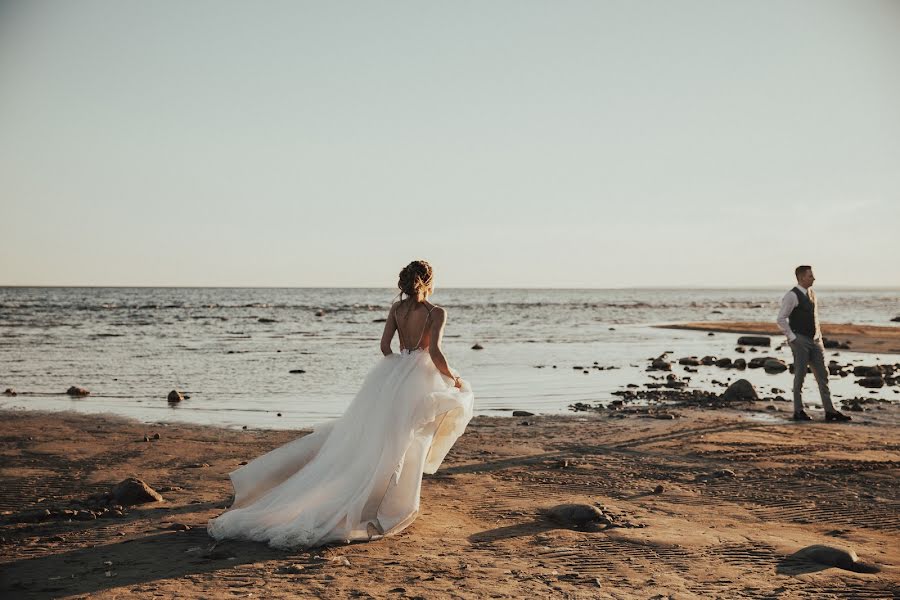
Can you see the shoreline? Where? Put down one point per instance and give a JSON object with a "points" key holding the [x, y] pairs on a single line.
{"points": [[874, 339], [712, 503]]}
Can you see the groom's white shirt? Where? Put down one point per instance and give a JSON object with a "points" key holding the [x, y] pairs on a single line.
{"points": [[788, 304]]}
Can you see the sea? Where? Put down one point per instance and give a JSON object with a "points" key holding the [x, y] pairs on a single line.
{"points": [[232, 350]]}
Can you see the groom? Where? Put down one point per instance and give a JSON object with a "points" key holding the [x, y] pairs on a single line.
{"points": [[798, 319]]}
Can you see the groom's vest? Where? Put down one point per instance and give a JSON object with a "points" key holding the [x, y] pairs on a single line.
{"points": [[803, 317]]}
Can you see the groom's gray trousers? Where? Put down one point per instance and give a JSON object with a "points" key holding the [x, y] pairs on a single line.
{"points": [[810, 352]]}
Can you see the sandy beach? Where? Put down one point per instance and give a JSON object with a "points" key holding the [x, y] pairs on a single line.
{"points": [[860, 338], [703, 504]]}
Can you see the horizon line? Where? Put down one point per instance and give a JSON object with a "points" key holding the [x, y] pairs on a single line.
{"points": [[504, 287]]}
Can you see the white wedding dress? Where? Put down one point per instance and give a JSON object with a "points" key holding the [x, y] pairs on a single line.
{"points": [[359, 476]]}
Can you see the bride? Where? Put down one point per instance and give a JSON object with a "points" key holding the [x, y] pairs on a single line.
{"points": [[359, 476]]}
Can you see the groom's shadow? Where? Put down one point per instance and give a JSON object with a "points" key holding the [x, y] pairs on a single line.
{"points": [[135, 562]]}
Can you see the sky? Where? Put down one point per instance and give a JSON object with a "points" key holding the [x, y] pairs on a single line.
{"points": [[513, 143]]}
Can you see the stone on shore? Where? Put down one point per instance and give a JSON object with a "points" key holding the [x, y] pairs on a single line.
{"points": [[740, 390], [576, 515], [175, 396], [871, 382], [477, 346], [774, 365], [10, 392], [724, 363], [754, 340], [842, 558], [660, 364], [134, 491], [522, 413], [77, 391]]}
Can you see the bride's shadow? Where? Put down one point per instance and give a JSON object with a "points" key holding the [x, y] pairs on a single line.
{"points": [[135, 562]]}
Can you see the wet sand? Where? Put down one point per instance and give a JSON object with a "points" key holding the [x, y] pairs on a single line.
{"points": [[862, 338], [743, 489]]}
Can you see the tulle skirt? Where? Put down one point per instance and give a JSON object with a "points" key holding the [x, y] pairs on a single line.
{"points": [[356, 477]]}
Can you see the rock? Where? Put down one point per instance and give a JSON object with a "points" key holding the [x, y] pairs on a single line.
{"points": [[10, 392], [320, 313], [739, 364], [754, 340], [725, 363], [179, 527], [175, 396], [379, 320], [871, 382], [830, 343], [576, 515], [477, 346], [77, 391], [265, 320], [659, 364], [740, 350], [133, 491], [740, 390], [155, 436], [297, 371], [522, 413], [895, 320], [724, 473], [757, 362], [831, 556], [146, 438], [708, 360], [690, 361], [774, 365], [864, 371], [29, 516], [710, 334], [659, 489]]}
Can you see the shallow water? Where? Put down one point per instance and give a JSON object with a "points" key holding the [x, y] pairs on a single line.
{"points": [[232, 349]]}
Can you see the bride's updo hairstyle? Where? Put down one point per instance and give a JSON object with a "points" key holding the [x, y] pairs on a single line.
{"points": [[415, 279]]}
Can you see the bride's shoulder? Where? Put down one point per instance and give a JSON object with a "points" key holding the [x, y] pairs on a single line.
{"points": [[438, 311]]}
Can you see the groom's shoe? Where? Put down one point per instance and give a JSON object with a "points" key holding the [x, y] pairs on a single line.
{"points": [[837, 416], [801, 415]]}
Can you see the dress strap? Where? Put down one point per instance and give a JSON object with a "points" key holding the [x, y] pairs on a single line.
{"points": [[425, 326]]}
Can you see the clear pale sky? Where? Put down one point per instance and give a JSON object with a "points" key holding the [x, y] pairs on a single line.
{"points": [[511, 143]]}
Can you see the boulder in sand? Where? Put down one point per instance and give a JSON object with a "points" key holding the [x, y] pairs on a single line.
{"points": [[754, 340], [10, 392], [134, 491], [831, 556], [740, 364], [77, 391], [577, 515], [740, 390], [175, 396], [690, 361], [724, 363], [522, 413], [477, 346]]}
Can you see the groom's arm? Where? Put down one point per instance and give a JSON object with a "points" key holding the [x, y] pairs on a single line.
{"points": [[788, 304]]}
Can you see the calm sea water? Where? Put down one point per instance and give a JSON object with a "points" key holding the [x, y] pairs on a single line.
{"points": [[232, 349]]}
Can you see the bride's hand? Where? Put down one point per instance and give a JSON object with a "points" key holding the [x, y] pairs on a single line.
{"points": [[457, 382]]}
